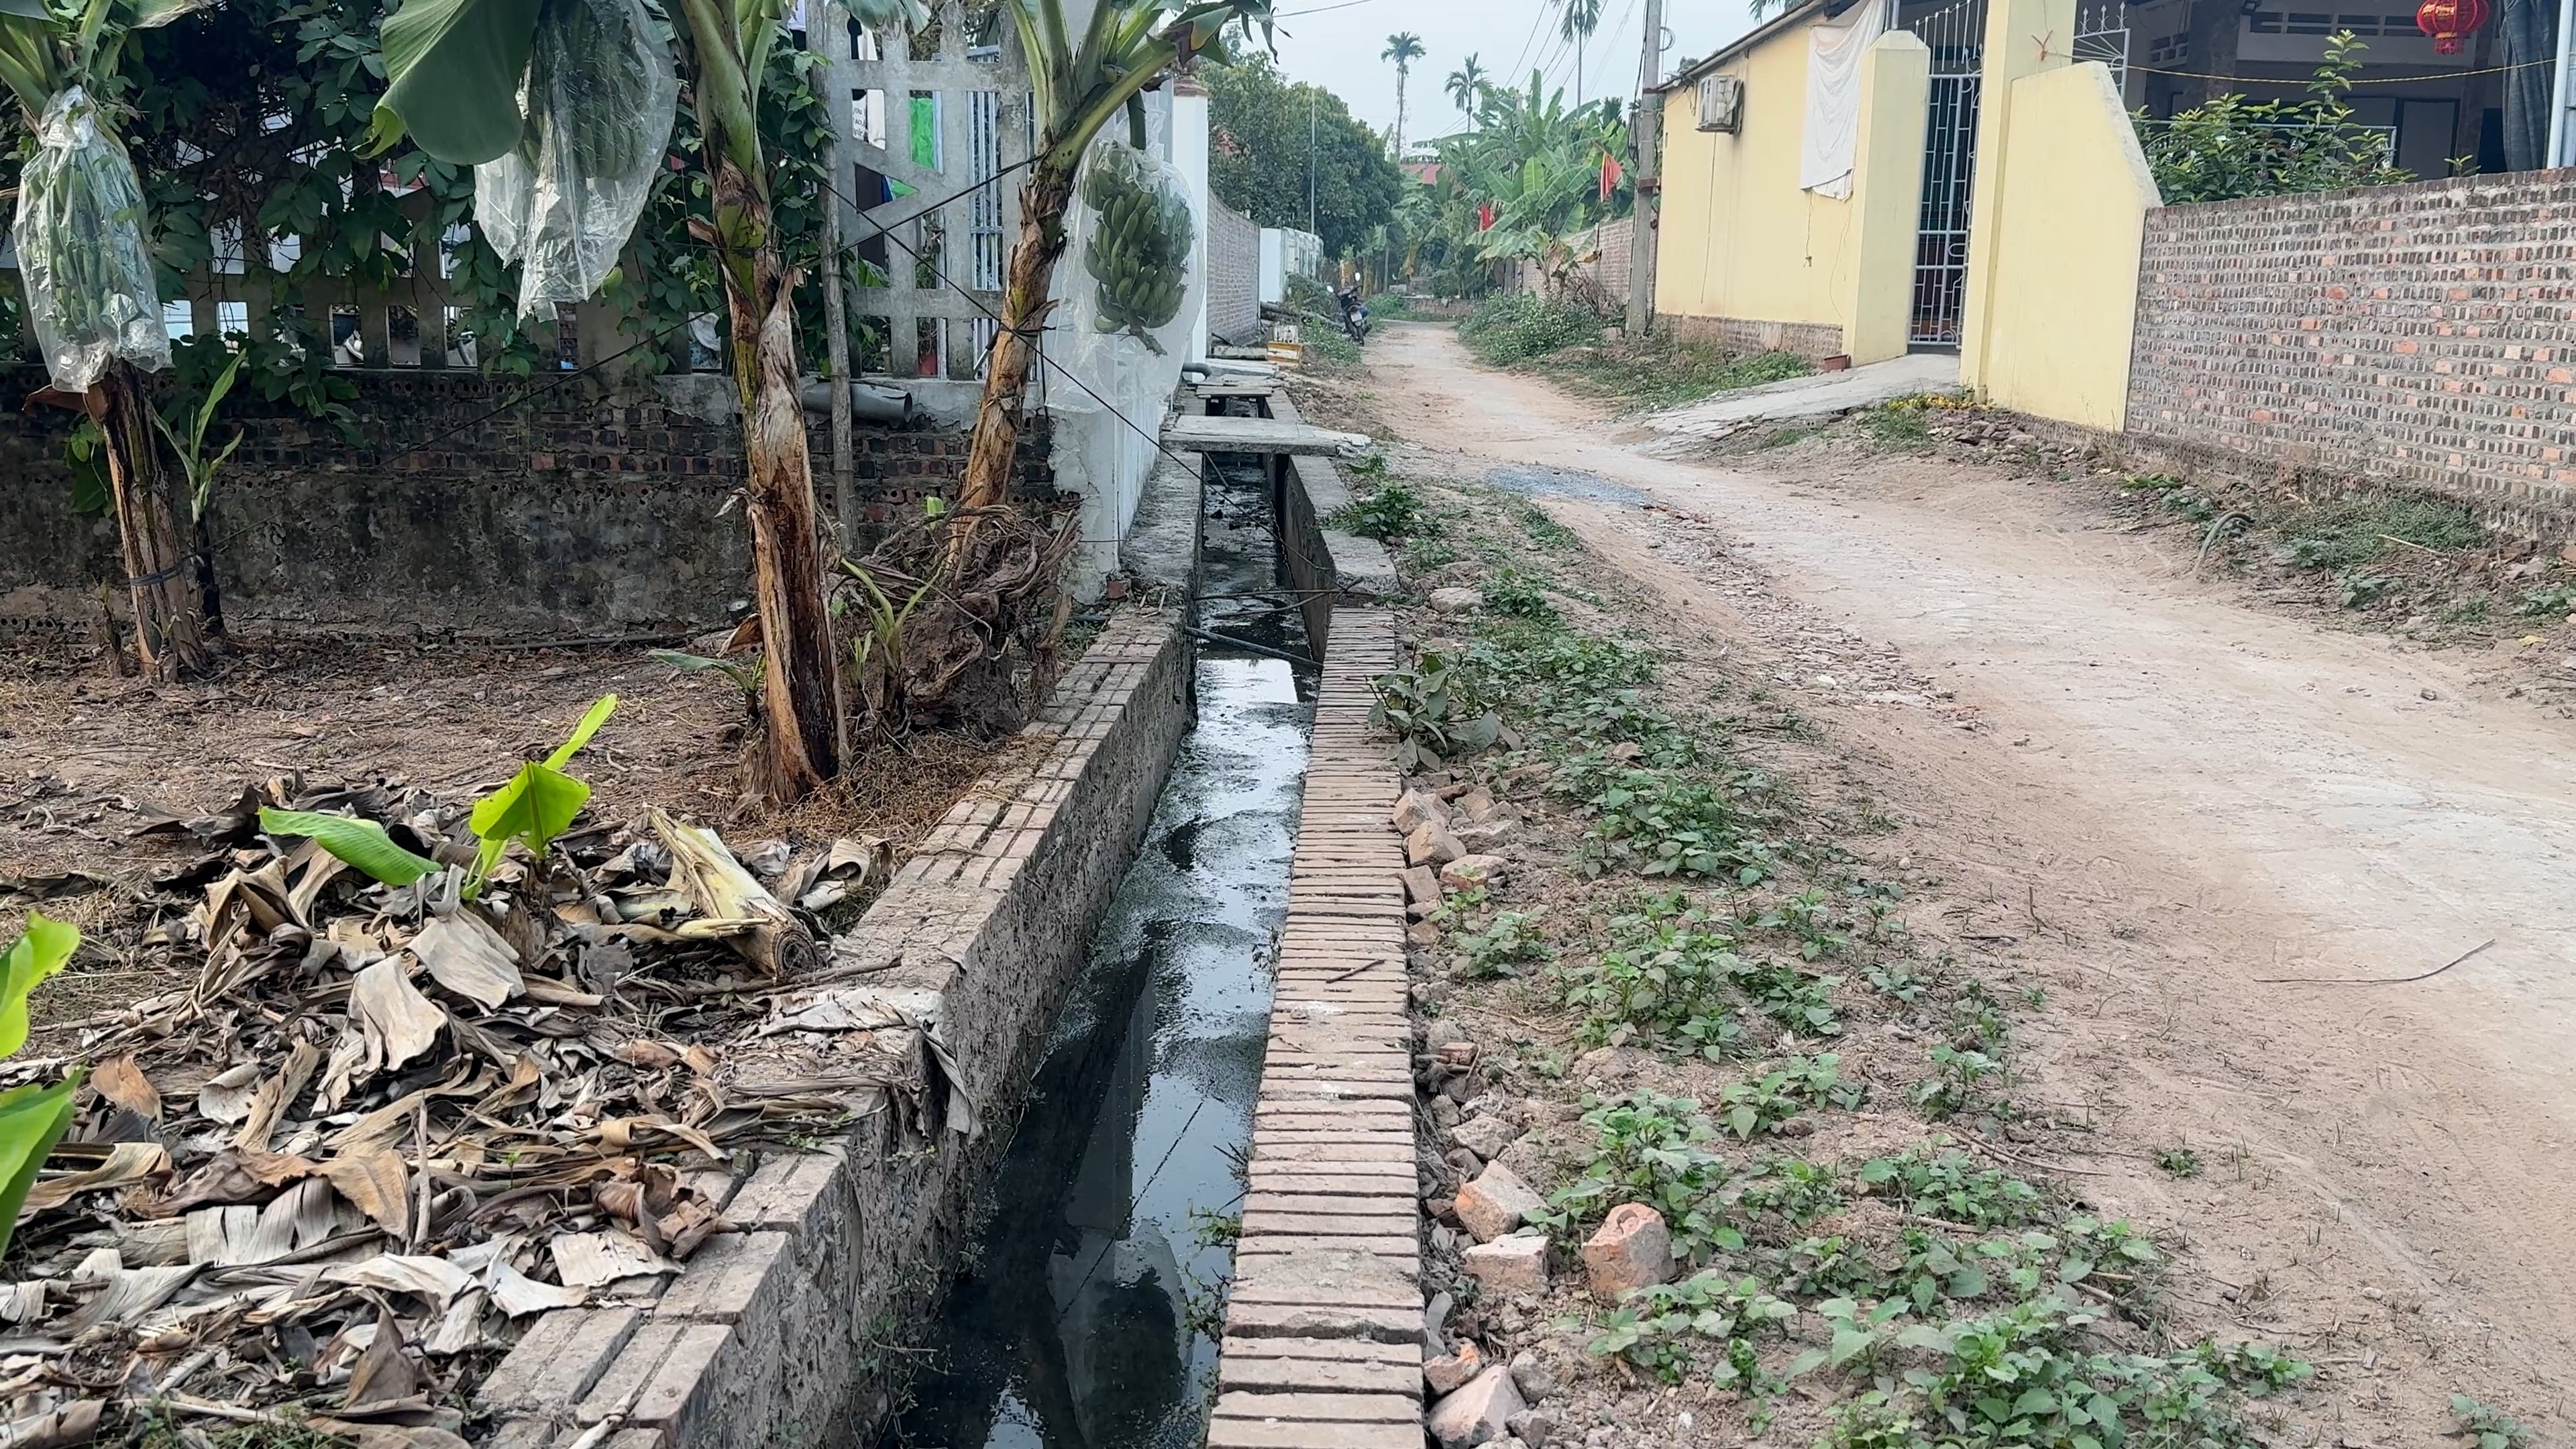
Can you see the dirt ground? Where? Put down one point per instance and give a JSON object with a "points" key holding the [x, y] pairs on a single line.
{"points": [[2216, 832], [80, 750]]}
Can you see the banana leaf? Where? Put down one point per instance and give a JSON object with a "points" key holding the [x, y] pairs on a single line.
{"points": [[32, 1120], [45, 949], [362, 843]]}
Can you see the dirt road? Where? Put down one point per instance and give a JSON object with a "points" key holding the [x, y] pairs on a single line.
{"points": [[2172, 797]]}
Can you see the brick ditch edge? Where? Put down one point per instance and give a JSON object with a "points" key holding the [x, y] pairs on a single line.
{"points": [[773, 1335], [1324, 1327]]}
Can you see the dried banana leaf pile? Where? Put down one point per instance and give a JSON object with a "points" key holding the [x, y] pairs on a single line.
{"points": [[338, 1174]]}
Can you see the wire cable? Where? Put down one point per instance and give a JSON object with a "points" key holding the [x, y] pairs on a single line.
{"points": [[559, 381]]}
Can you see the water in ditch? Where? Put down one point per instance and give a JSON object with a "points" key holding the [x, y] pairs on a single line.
{"points": [[1082, 1318]]}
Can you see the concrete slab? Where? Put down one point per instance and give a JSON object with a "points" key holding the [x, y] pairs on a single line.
{"points": [[1825, 394]]}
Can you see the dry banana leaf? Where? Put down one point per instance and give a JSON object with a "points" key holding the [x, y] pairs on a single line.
{"points": [[400, 1022], [121, 1080], [467, 956], [723, 891]]}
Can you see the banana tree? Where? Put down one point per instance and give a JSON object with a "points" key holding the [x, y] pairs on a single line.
{"points": [[1078, 86], [456, 72], [85, 261]]}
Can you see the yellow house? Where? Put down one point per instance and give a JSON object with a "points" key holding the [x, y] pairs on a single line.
{"points": [[1862, 178]]}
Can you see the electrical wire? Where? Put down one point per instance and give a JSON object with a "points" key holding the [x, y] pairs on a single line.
{"points": [[557, 382]]}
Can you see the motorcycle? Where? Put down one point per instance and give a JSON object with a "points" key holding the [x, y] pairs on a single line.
{"points": [[1355, 319]]}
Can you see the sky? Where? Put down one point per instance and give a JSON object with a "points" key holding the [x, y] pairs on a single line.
{"points": [[1335, 43]]}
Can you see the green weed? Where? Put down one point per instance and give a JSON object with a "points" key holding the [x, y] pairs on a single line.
{"points": [[1771, 1099], [2344, 535], [1947, 1185], [1435, 711], [1656, 1330], [2179, 1161], [1650, 1149], [1513, 327], [1894, 427], [2554, 599], [1504, 945], [1393, 509], [1546, 532], [1957, 1083], [2488, 1428]]}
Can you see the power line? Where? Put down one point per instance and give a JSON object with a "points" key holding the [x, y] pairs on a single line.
{"points": [[562, 380], [1536, 21]]}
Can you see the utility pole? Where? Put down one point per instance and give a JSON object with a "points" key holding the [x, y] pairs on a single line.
{"points": [[834, 40], [1645, 130], [1310, 164]]}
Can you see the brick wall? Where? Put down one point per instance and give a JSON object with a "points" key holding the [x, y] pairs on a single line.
{"points": [[576, 510], [2422, 335], [1743, 334], [1234, 274]]}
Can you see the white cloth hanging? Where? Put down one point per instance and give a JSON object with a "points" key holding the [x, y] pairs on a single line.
{"points": [[1835, 47]]}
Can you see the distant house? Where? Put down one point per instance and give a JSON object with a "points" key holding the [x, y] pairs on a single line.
{"points": [[1821, 177]]}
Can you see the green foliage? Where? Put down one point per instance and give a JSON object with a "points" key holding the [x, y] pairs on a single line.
{"points": [[361, 843], [1664, 982], [2179, 1161], [1894, 427], [1504, 945], [1808, 916], [1658, 1329], [2488, 1428], [2552, 599], [43, 948], [2230, 147], [1957, 1083], [1546, 532], [1516, 595], [1511, 327], [1798, 1000], [539, 803], [33, 1117], [1650, 1149], [1664, 371], [1771, 1099], [1788, 1191], [1258, 151], [1662, 822], [1436, 712], [1393, 509], [1946, 1185], [2349, 533], [2257, 1369]]}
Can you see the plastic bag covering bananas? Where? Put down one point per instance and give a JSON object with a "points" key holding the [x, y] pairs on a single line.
{"points": [[81, 249], [598, 104], [1141, 238]]}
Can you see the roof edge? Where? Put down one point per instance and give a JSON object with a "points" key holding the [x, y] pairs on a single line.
{"points": [[1758, 35]]}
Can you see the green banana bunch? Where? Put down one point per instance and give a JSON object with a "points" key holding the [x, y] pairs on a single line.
{"points": [[1140, 246]]}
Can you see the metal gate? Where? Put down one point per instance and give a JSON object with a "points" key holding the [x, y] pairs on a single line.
{"points": [[1956, 36]]}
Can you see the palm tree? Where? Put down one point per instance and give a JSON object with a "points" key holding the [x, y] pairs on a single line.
{"points": [[1404, 47], [1464, 83], [1576, 21]]}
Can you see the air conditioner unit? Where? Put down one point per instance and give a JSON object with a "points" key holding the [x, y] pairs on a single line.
{"points": [[1721, 102]]}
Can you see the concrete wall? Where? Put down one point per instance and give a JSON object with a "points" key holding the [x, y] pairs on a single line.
{"points": [[2071, 213], [1747, 258], [780, 1334], [1234, 274], [2422, 335], [583, 509], [1323, 563]]}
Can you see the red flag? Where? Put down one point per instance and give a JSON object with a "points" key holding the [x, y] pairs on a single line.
{"points": [[1610, 174], [1485, 216]]}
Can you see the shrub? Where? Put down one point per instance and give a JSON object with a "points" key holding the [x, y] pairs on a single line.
{"points": [[1393, 509], [1435, 711], [1511, 327]]}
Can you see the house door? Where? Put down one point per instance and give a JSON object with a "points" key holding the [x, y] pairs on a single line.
{"points": [[1956, 36]]}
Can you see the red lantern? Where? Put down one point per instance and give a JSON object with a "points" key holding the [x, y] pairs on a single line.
{"points": [[2450, 21]]}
